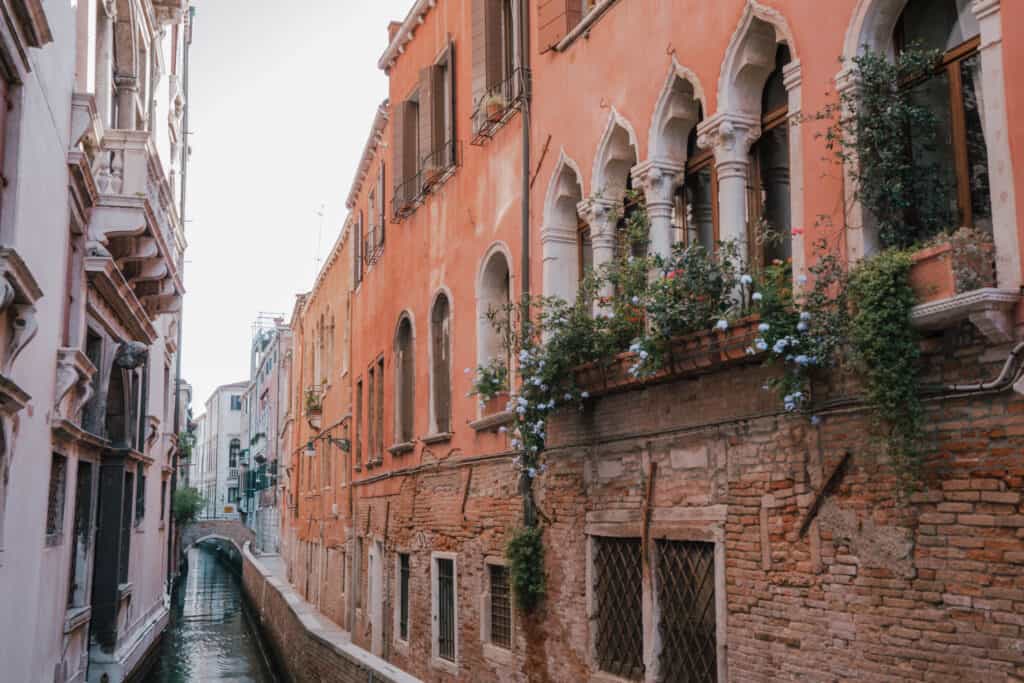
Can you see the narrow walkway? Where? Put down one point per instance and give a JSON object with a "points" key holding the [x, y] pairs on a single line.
{"points": [[316, 624]]}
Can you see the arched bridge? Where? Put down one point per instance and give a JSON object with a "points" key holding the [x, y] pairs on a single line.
{"points": [[231, 530]]}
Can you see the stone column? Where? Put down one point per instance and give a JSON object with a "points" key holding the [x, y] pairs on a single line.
{"points": [[730, 135], [601, 215], [104, 68], [659, 178]]}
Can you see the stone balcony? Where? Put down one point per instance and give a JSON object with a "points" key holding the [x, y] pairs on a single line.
{"points": [[135, 229]]}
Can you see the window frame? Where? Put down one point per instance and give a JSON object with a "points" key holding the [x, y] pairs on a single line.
{"points": [[436, 660], [399, 640], [492, 650], [56, 508]]}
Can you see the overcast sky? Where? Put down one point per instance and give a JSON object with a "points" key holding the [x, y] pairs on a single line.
{"points": [[283, 95]]}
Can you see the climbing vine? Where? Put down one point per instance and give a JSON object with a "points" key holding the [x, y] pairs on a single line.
{"points": [[525, 553]]}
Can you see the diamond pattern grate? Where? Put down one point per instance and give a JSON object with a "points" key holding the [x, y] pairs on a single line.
{"points": [[686, 595], [618, 583]]}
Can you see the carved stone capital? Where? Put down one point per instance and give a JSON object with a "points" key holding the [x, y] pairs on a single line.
{"points": [[658, 178], [729, 135], [600, 214]]}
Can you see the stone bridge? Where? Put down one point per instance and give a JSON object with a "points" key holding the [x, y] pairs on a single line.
{"points": [[231, 530]]}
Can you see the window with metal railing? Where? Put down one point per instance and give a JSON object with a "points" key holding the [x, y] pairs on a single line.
{"points": [[445, 608], [618, 590], [686, 601], [497, 105], [403, 596], [500, 606]]}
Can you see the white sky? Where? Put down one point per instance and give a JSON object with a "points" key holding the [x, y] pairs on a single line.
{"points": [[283, 96]]}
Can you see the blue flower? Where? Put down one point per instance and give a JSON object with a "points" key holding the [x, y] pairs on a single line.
{"points": [[815, 420], [761, 345], [805, 315], [757, 296], [801, 326], [764, 327], [532, 472], [802, 279], [722, 325], [746, 279], [635, 300]]}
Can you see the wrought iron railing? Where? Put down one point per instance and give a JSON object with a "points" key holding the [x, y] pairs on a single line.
{"points": [[434, 168], [498, 104]]}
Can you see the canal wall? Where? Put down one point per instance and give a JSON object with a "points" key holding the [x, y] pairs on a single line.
{"points": [[307, 646]]}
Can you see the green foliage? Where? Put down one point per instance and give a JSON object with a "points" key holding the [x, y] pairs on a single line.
{"points": [[886, 348], [490, 380], [888, 131], [314, 400], [525, 553], [186, 504]]}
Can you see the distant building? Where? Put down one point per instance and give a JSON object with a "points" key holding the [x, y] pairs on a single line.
{"points": [[219, 434]]}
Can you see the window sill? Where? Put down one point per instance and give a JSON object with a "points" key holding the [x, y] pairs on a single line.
{"points": [[604, 677], [439, 437], [124, 590], [492, 422], [583, 27], [498, 655], [444, 665], [988, 309], [76, 617], [402, 448], [54, 540]]}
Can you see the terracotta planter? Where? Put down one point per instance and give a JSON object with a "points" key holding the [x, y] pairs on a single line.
{"points": [[733, 342], [496, 404], [950, 268], [494, 110]]}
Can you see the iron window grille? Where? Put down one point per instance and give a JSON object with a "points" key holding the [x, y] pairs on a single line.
{"points": [[618, 589], [403, 597], [686, 597], [501, 607], [446, 609], [498, 104], [433, 170], [55, 504]]}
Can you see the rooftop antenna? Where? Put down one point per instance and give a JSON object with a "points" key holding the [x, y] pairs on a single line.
{"points": [[319, 241]]}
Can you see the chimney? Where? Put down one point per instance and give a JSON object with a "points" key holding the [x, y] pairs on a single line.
{"points": [[393, 27]]}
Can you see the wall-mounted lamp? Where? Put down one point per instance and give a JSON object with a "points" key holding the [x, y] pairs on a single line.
{"points": [[310, 449]]}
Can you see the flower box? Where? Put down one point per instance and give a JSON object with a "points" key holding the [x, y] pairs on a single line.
{"points": [[960, 264], [495, 404]]}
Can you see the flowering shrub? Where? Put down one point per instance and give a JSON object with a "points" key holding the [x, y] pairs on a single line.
{"points": [[525, 554], [490, 380]]}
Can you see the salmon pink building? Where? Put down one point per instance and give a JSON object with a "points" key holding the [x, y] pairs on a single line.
{"points": [[693, 528]]}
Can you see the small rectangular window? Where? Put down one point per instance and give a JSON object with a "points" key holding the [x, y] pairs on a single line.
{"points": [[163, 498], [55, 504], [233, 494], [686, 601], [500, 606], [236, 402], [403, 596], [618, 589], [140, 496]]}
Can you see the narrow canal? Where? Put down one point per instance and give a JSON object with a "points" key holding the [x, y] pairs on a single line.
{"points": [[211, 637]]}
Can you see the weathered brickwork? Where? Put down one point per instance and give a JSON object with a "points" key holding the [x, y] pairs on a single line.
{"points": [[883, 585]]}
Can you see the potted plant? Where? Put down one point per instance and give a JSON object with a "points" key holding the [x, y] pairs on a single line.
{"points": [[490, 384], [314, 406], [953, 264], [494, 106]]}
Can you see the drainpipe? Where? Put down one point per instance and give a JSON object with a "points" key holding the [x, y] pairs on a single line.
{"points": [[525, 483], [172, 536]]}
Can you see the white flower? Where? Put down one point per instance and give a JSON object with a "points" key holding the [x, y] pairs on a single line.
{"points": [[532, 472], [467, 371], [503, 429], [802, 279], [815, 420], [761, 345], [585, 394], [764, 327], [635, 300], [568, 397], [805, 315], [750, 351], [644, 355], [722, 325], [801, 326], [515, 443], [757, 296], [746, 279]]}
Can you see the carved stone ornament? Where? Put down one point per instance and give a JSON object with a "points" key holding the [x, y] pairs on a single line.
{"points": [[729, 135], [131, 355], [74, 371]]}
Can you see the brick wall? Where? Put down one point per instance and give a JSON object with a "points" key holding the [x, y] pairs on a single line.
{"points": [[305, 646], [884, 585]]}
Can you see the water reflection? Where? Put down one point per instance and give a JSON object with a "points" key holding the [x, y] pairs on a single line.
{"points": [[210, 637]]}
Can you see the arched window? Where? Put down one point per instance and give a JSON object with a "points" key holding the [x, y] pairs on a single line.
{"points": [[768, 202], [494, 297], [234, 449], [561, 234], [441, 366], [953, 93], [404, 382], [695, 210]]}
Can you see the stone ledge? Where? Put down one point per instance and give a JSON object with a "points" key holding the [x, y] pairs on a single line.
{"points": [[492, 422], [988, 309]]}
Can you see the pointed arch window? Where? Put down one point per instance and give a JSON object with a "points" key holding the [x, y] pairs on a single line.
{"points": [[953, 93], [404, 382], [695, 210], [768, 188]]}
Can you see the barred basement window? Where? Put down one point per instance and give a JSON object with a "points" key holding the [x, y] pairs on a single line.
{"points": [[55, 504], [445, 615], [686, 597], [618, 591], [403, 596], [501, 607]]}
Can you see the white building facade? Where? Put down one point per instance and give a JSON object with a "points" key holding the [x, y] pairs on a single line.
{"points": [[219, 443], [91, 254]]}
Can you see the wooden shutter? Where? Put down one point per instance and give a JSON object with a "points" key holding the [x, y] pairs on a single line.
{"points": [[397, 151], [487, 47], [555, 19], [450, 133], [427, 132], [410, 149], [357, 256], [382, 203]]}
